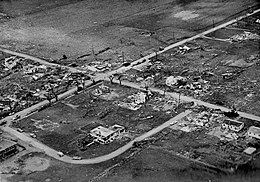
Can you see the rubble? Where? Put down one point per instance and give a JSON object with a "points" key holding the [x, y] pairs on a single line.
{"points": [[135, 101], [101, 90], [131, 106], [245, 36], [184, 49], [147, 82], [166, 103], [242, 62], [11, 62], [179, 80]]}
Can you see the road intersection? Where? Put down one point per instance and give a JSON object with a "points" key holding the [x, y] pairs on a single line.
{"points": [[53, 153]]}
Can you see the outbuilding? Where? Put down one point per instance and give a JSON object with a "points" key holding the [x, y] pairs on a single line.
{"points": [[232, 125], [7, 149], [254, 132]]}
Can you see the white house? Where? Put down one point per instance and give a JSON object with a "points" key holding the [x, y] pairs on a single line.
{"points": [[106, 135], [254, 132]]}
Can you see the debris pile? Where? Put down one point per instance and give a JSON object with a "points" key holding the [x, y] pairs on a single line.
{"points": [[184, 49], [101, 90], [192, 83], [138, 98], [245, 36], [195, 121], [147, 82], [166, 103], [11, 63], [135, 101], [179, 80]]}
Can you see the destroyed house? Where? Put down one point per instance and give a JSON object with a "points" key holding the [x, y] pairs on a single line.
{"points": [[12, 62], [5, 102], [7, 149], [106, 135], [254, 132], [232, 125], [131, 74]]}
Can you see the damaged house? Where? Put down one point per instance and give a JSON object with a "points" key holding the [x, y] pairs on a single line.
{"points": [[232, 125]]}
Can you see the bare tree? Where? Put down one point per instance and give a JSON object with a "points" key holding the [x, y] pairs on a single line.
{"points": [[120, 77], [146, 87], [53, 92], [83, 82], [179, 100], [48, 97], [93, 80], [164, 90], [111, 77]]}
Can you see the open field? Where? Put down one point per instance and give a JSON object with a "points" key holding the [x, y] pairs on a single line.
{"points": [[36, 166], [156, 164], [123, 26]]}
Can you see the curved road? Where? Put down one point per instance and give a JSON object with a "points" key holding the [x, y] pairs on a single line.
{"points": [[53, 153]]}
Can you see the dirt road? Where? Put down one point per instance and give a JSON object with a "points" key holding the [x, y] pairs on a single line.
{"points": [[190, 99], [37, 59], [122, 69]]}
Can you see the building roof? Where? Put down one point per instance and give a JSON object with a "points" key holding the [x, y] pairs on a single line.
{"points": [[104, 132], [254, 129], [4, 144], [250, 150], [116, 127], [233, 122]]}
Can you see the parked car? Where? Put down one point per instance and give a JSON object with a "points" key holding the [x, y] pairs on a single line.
{"points": [[32, 135], [20, 130], [16, 117], [3, 123], [126, 64], [76, 158], [60, 154]]}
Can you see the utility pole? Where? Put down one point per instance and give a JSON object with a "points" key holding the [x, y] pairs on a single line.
{"points": [[123, 55], [173, 37], [93, 52], [179, 100], [213, 25]]}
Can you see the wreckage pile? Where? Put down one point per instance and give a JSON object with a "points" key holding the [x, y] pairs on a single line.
{"points": [[195, 121], [166, 103], [195, 84], [245, 36], [135, 101], [101, 90]]}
